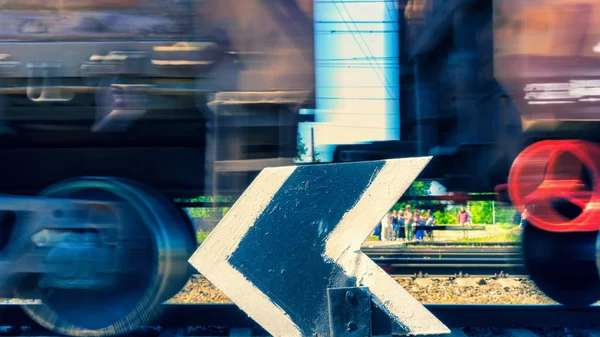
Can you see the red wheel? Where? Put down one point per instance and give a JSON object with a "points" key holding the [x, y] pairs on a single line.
{"points": [[559, 184]]}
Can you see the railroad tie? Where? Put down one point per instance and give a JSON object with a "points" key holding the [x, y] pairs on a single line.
{"points": [[457, 333], [240, 332], [520, 333], [454, 332]]}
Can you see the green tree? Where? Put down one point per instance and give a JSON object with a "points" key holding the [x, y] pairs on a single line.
{"points": [[301, 149], [420, 188], [417, 188], [317, 158], [448, 216], [504, 214], [481, 212]]}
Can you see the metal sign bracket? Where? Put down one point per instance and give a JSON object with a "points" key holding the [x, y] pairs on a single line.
{"points": [[349, 311]]}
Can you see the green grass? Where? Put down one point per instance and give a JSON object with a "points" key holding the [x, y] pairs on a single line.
{"points": [[507, 226], [506, 237]]}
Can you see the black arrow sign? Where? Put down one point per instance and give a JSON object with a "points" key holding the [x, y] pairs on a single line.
{"points": [[297, 231]]}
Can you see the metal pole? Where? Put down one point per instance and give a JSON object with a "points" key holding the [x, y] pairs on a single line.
{"points": [[494, 216], [312, 144]]}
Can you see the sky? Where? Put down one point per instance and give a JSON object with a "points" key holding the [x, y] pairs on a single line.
{"points": [[357, 78]]}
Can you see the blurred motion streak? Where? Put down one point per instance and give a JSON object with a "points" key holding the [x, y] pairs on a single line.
{"points": [[110, 110], [558, 184], [546, 57], [115, 84]]}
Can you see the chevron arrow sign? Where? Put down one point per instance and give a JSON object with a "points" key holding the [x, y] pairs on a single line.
{"points": [[297, 231]]}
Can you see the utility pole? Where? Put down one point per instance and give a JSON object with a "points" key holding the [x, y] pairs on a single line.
{"points": [[312, 144]]}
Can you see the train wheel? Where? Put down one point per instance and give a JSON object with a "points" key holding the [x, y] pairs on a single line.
{"points": [[558, 183], [162, 248], [562, 265]]}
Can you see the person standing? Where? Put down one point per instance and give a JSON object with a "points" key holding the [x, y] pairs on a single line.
{"points": [[394, 231], [377, 231], [408, 223], [419, 221], [400, 234], [523, 218], [385, 226], [463, 219], [430, 223]]}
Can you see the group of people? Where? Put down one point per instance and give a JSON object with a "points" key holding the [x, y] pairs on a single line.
{"points": [[401, 225]]}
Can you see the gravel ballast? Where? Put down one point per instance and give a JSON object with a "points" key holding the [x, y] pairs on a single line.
{"points": [[426, 290]]}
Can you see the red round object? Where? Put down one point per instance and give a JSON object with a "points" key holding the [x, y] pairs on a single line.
{"points": [[550, 170]]}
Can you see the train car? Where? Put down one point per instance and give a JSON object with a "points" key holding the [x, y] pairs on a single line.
{"points": [[546, 59], [111, 109], [173, 74], [451, 105], [504, 95]]}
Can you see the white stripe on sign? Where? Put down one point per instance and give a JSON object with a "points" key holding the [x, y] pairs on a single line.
{"points": [[344, 245], [211, 258]]}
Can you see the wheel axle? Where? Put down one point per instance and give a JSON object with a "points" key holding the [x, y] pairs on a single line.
{"points": [[88, 244]]}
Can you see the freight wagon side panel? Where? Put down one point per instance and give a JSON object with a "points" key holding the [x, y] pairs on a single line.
{"points": [[230, 96], [547, 58], [89, 19]]}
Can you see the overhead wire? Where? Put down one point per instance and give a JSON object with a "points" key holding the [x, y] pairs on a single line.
{"points": [[368, 61], [369, 56]]}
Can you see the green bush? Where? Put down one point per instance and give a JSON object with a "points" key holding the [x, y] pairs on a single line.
{"points": [[447, 217], [201, 236]]}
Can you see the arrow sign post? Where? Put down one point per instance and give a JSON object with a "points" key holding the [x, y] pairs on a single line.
{"points": [[297, 232]]}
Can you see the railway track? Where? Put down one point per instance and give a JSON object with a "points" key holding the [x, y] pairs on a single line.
{"points": [[449, 261], [229, 320], [460, 244]]}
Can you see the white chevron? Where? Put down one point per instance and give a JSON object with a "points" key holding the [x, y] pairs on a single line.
{"points": [[344, 243], [211, 257], [342, 246]]}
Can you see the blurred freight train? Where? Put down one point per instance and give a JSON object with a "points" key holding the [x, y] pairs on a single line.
{"points": [[481, 80], [505, 95], [180, 98], [201, 88], [547, 60], [149, 100]]}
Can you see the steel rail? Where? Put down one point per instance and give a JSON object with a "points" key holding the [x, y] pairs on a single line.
{"points": [[454, 244], [189, 319], [442, 251], [444, 262], [448, 262]]}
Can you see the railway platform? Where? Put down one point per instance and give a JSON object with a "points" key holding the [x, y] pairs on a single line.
{"points": [[493, 233]]}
